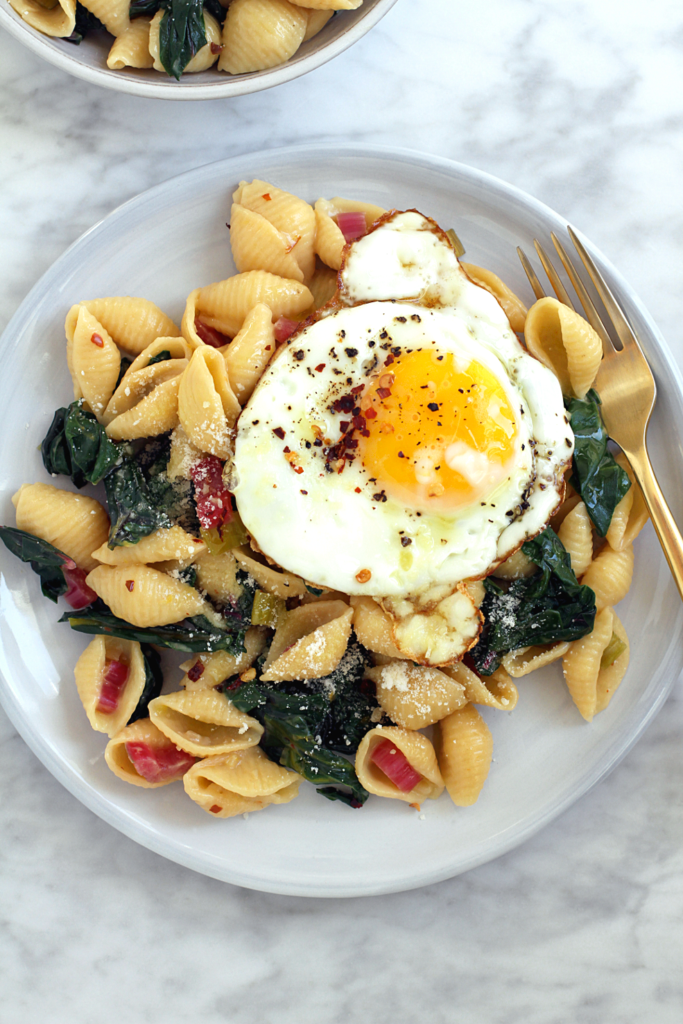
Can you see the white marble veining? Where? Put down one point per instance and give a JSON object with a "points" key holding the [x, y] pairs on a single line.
{"points": [[581, 104]]}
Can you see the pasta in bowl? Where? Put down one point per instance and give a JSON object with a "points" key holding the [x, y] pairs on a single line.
{"points": [[256, 44], [309, 845], [352, 492]]}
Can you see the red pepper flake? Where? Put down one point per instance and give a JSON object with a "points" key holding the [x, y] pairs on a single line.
{"points": [[130, 585], [357, 490], [383, 392], [98, 340], [320, 367], [195, 672], [266, 196], [389, 360], [279, 432], [371, 414], [357, 390], [286, 449], [216, 48], [216, 809], [298, 469], [363, 576]]}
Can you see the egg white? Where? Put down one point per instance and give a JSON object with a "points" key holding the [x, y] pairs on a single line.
{"points": [[336, 529]]}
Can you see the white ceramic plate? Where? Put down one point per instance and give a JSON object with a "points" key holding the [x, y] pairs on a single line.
{"points": [[89, 60], [161, 245]]}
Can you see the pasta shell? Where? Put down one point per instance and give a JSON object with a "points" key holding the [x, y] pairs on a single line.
{"points": [[204, 722], [527, 659], [494, 691], [182, 457], [513, 307], [94, 362], [131, 49], [132, 323], [240, 783], [631, 513], [250, 351], [137, 384], [225, 305], [323, 286], [204, 58], [177, 348], [516, 566], [281, 584], [89, 672], [309, 643], [373, 627], [611, 676], [258, 245], [207, 408], [414, 696], [610, 575], [316, 21], [418, 751], [206, 671], [291, 216], [73, 523], [565, 343], [260, 34], [188, 326], [114, 14], [464, 748], [142, 731], [570, 502], [144, 596], [576, 533], [590, 685], [58, 21], [155, 413], [329, 239], [163, 544]]}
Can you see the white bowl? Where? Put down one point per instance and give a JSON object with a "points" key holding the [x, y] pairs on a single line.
{"points": [[88, 60], [163, 244]]}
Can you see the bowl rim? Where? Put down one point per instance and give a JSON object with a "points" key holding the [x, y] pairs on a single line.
{"points": [[233, 85], [145, 834]]}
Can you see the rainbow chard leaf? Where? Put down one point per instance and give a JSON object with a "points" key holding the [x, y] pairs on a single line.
{"points": [[154, 680], [550, 606], [307, 723], [44, 559], [182, 34], [195, 635], [77, 446], [598, 478]]}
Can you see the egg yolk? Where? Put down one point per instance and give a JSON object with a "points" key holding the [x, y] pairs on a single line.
{"points": [[439, 435]]}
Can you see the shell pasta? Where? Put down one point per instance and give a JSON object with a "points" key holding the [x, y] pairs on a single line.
{"points": [[302, 661], [250, 35]]}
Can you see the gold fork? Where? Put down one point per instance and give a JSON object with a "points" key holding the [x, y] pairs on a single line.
{"points": [[624, 382]]}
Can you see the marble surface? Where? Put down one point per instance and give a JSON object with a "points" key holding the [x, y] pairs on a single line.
{"points": [[580, 104]]}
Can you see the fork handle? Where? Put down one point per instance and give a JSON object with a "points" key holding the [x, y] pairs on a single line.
{"points": [[660, 513]]}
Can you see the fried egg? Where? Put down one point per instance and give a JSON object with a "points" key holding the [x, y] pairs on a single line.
{"points": [[403, 440]]}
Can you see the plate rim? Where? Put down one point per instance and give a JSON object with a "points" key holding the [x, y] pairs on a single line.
{"points": [[233, 86], [140, 831]]}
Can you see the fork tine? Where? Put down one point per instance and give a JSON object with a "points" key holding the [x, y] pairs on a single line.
{"points": [[589, 309], [531, 274], [553, 276], [621, 324]]}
